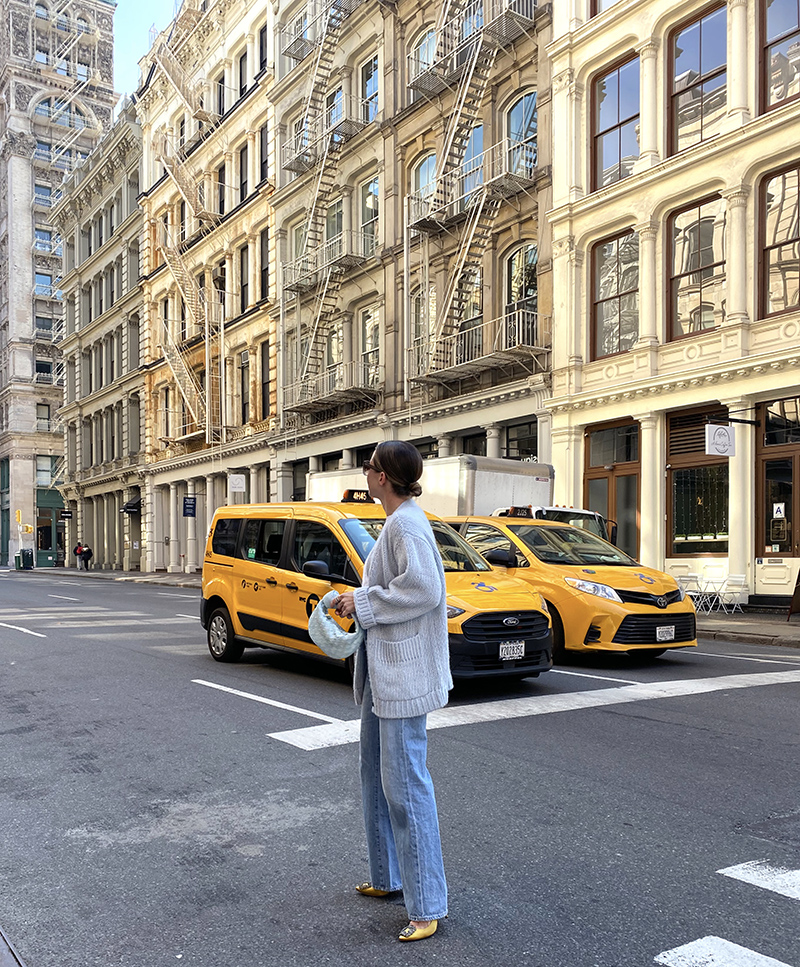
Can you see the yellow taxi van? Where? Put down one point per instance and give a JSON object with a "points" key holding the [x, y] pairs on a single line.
{"points": [[599, 598], [267, 565]]}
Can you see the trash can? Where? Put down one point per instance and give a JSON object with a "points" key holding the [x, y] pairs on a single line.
{"points": [[27, 558], [17, 563]]}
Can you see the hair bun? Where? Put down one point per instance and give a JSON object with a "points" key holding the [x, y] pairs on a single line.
{"points": [[415, 489]]}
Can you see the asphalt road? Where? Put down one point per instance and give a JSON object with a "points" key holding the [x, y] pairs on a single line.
{"points": [[150, 820]]}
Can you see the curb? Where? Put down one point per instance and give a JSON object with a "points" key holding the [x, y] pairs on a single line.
{"points": [[8, 956], [769, 641]]}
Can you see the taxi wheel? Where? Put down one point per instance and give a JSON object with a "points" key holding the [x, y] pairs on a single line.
{"points": [[221, 641], [559, 645]]}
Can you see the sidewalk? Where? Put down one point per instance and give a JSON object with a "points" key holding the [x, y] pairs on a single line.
{"points": [[772, 630]]}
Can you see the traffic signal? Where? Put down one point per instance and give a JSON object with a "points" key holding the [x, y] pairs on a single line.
{"points": [[19, 516]]}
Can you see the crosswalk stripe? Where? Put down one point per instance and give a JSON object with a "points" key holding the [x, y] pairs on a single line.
{"points": [[25, 631], [715, 952], [322, 736], [778, 879]]}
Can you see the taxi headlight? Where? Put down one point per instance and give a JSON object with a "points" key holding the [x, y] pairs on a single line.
{"points": [[544, 604], [453, 612], [592, 587], [681, 593]]}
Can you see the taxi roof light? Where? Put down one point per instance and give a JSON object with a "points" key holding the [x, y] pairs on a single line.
{"points": [[353, 496], [514, 511]]}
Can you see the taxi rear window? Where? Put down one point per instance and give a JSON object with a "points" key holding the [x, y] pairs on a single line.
{"points": [[226, 533], [569, 545]]}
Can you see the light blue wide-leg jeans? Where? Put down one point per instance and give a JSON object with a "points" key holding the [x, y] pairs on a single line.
{"points": [[402, 825]]}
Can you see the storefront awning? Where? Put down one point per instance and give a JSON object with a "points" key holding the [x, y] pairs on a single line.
{"points": [[132, 506]]}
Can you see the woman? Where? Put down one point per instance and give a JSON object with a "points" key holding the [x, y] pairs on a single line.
{"points": [[402, 672]]}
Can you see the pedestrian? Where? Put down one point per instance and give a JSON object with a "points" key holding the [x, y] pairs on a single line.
{"points": [[86, 556], [402, 672], [77, 551]]}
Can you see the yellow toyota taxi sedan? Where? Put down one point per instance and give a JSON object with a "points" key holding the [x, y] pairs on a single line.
{"points": [[266, 566], [599, 598]]}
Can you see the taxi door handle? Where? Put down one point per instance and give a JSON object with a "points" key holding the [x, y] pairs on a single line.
{"points": [[292, 587], [271, 582]]}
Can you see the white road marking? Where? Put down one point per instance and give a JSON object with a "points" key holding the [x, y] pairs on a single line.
{"points": [[270, 701], [108, 622], [715, 952], [63, 597], [602, 678], [174, 594], [760, 873], [194, 617], [342, 733], [25, 631], [765, 661]]}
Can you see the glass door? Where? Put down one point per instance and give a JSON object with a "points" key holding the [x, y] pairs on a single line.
{"points": [[611, 480]]}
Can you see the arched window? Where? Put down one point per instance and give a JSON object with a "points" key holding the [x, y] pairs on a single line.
{"points": [[422, 56], [521, 130], [41, 12], [423, 178], [521, 290]]}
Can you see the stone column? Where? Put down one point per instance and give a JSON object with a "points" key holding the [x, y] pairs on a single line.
{"points": [[736, 255], [652, 503], [544, 443], [443, 445], [738, 63], [211, 500], [174, 543], [254, 489], [742, 508], [346, 462], [108, 533], [648, 300], [119, 543], [251, 59], [648, 105], [568, 458], [493, 437], [97, 539], [253, 161], [191, 532]]}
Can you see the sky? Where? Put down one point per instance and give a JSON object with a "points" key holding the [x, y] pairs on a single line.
{"points": [[132, 22]]}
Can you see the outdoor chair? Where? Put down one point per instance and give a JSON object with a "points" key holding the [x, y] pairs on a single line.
{"points": [[733, 593], [691, 584]]}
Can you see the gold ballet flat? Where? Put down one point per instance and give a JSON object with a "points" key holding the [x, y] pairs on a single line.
{"points": [[367, 889], [419, 933]]}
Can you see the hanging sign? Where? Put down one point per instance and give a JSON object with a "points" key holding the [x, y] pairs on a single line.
{"points": [[190, 506], [720, 440], [236, 483]]}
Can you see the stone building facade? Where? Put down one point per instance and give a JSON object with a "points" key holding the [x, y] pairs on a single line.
{"points": [[208, 284], [676, 269], [100, 223], [56, 97]]}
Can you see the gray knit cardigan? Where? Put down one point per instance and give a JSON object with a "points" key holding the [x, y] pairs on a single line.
{"points": [[402, 605]]}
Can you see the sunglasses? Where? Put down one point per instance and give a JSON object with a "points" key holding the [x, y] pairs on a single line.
{"points": [[367, 466]]}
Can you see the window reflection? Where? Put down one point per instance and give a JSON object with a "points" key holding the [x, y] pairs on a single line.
{"points": [[699, 85], [616, 295], [698, 279], [781, 280]]}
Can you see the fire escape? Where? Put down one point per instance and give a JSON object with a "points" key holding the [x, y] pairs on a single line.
{"points": [[328, 121], [202, 396], [467, 190]]}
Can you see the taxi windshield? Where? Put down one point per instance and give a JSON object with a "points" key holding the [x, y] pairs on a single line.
{"points": [[569, 545], [457, 555]]}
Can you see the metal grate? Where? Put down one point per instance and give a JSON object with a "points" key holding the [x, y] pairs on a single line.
{"points": [[640, 629], [489, 626], [642, 597]]}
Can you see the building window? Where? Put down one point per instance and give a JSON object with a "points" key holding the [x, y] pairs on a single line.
{"points": [[522, 440], [166, 413], [699, 80], [244, 385], [221, 190], [43, 417], [263, 143], [43, 195], [182, 221], [221, 94], [474, 444], [264, 256], [697, 487], [262, 48], [334, 220], [369, 89], [521, 280], [423, 54], [43, 285], [243, 173], [615, 302], [369, 214], [781, 32], [265, 408], [522, 131], [243, 74], [370, 346], [182, 132], [780, 281], [423, 177], [44, 471], [616, 123], [697, 283], [244, 277]]}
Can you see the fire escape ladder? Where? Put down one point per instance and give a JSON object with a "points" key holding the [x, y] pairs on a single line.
{"points": [[327, 300], [321, 194], [189, 91]]}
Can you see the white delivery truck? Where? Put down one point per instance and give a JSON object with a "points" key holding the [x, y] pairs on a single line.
{"points": [[474, 486]]}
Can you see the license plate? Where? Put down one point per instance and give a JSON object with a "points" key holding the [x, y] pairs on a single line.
{"points": [[512, 649], [665, 633]]}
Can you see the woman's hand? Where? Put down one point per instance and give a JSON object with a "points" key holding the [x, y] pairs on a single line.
{"points": [[345, 605]]}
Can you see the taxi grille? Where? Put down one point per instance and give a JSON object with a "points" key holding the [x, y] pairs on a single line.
{"points": [[640, 629], [488, 663], [643, 597], [489, 626]]}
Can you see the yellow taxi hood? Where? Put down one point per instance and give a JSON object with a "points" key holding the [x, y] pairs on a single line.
{"points": [[634, 578], [490, 591]]}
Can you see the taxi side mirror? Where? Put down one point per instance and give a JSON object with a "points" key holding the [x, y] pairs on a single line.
{"points": [[498, 557], [316, 569]]}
